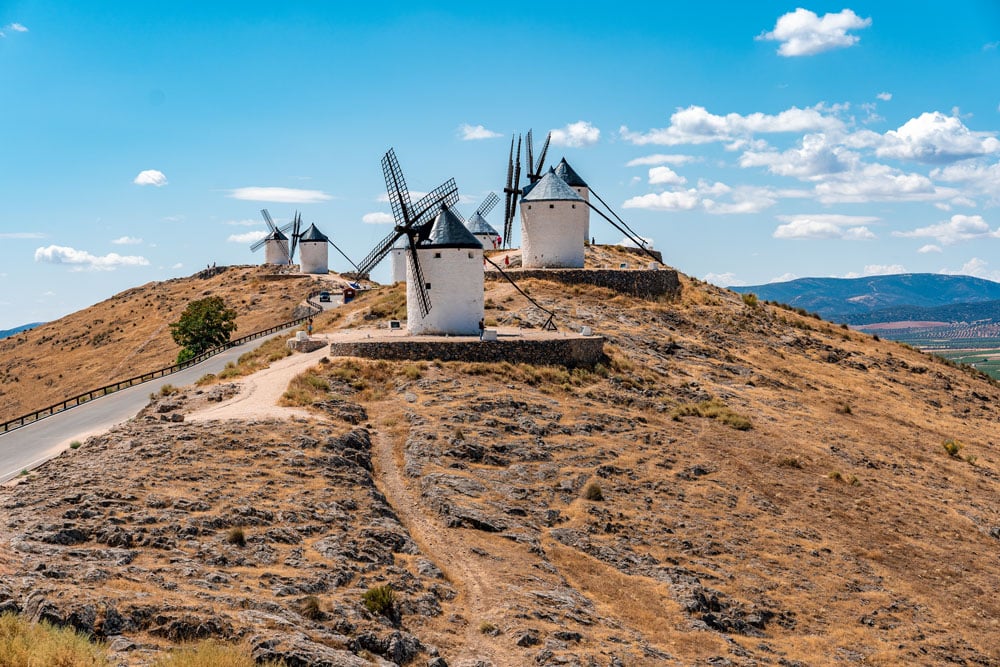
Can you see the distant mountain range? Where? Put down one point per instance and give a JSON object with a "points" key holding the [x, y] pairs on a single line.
{"points": [[896, 298], [7, 333]]}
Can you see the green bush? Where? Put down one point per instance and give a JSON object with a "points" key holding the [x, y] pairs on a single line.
{"points": [[953, 447], [750, 299], [593, 492], [380, 600], [76, 444]]}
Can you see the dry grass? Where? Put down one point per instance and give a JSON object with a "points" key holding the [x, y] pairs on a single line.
{"points": [[25, 644], [712, 409], [212, 654]]}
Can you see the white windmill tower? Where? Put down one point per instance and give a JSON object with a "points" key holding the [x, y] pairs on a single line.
{"points": [[451, 262], [481, 229], [275, 244], [314, 255], [553, 222], [397, 258], [573, 180]]}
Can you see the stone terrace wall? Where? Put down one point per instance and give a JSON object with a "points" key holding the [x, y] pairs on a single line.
{"points": [[557, 351], [643, 284]]}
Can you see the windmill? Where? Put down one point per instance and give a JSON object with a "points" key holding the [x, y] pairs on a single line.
{"points": [[513, 189], [477, 224], [275, 244], [412, 222]]}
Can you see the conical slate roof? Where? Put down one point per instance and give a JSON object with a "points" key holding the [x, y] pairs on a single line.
{"points": [[313, 234], [551, 188], [566, 172], [477, 225], [276, 235], [447, 231]]}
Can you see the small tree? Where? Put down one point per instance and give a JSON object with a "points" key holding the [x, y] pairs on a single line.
{"points": [[204, 324]]}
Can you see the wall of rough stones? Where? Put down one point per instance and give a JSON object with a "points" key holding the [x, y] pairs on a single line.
{"points": [[557, 351], [644, 284]]}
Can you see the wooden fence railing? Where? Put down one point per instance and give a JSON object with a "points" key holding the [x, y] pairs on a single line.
{"points": [[88, 396]]}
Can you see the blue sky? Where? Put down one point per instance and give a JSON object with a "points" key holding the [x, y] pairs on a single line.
{"points": [[750, 141]]}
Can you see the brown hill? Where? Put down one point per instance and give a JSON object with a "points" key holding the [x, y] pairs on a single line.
{"points": [[737, 485], [129, 334]]}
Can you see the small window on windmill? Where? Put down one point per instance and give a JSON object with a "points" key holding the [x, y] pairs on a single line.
{"points": [[552, 205], [529, 206], [470, 255], [427, 285], [574, 205], [437, 255]]}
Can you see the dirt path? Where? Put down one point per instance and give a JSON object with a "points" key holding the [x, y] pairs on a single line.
{"points": [[260, 392], [444, 546]]}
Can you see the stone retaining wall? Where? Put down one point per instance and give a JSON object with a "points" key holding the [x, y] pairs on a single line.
{"points": [[643, 284], [570, 352]]}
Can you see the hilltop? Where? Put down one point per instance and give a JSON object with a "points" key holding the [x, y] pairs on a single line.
{"points": [[737, 485], [7, 333], [873, 298], [129, 334]]}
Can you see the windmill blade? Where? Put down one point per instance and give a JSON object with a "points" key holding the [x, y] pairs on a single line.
{"points": [[257, 245], [549, 324], [395, 187], [344, 255], [417, 277], [641, 244], [541, 158], [508, 190], [611, 210], [530, 156], [296, 234], [379, 253], [487, 205], [267, 219], [430, 204], [508, 224]]}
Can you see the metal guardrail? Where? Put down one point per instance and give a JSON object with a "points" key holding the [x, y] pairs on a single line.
{"points": [[93, 394]]}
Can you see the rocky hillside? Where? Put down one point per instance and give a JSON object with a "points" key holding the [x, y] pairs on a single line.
{"points": [[737, 485], [129, 334]]}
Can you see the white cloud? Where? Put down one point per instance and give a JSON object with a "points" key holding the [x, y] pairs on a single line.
{"points": [[825, 226], [935, 137], [629, 243], [126, 240], [21, 235], [178, 265], [959, 228], [576, 135], [930, 247], [665, 176], [878, 182], [783, 278], [81, 260], [727, 279], [666, 201], [377, 218], [885, 97], [803, 33], [695, 125], [16, 27], [150, 177], [475, 132], [660, 158], [878, 270], [279, 195], [247, 222], [247, 237], [978, 177], [816, 156], [974, 267]]}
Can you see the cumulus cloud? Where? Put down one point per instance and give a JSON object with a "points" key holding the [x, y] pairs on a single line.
{"points": [[660, 158], [817, 155], [877, 270], [885, 97], [936, 138], [279, 195], [151, 177], [783, 278], [727, 279], [14, 27], [81, 260], [825, 226], [684, 200], [878, 182], [695, 125], [976, 176], [475, 132], [803, 33], [246, 222], [247, 237], [715, 198], [629, 243], [126, 240], [377, 218], [974, 267], [21, 235], [930, 247], [955, 230], [665, 176], [576, 135]]}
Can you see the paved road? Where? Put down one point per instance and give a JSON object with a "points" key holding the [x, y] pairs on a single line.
{"points": [[35, 443]]}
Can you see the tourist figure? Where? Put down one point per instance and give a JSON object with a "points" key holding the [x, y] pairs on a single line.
{"points": [[482, 328], [309, 328], [506, 260]]}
